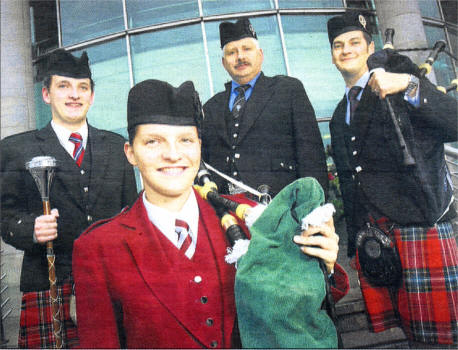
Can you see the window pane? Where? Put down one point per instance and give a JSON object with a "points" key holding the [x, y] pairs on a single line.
{"points": [[309, 3], [43, 16], [110, 73], [442, 66], [148, 12], [325, 133], [215, 7], [42, 110], [269, 39], [428, 8], [362, 4], [173, 55], [88, 19], [309, 56], [453, 40], [450, 10]]}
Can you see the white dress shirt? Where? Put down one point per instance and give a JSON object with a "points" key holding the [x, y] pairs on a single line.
{"points": [[63, 135], [164, 220]]}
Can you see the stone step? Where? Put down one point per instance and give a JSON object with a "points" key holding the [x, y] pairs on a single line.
{"points": [[352, 323], [350, 307], [353, 326], [392, 338]]}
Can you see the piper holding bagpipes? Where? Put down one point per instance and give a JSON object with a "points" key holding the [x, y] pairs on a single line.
{"points": [[387, 138], [92, 180], [155, 276]]}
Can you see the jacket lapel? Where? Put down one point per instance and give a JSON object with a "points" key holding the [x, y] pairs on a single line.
{"points": [[221, 126], [50, 145], [99, 164], [260, 97], [66, 169], [364, 115], [338, 137], [157, 272]]}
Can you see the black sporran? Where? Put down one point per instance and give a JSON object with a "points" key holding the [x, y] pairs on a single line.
{"points": [[378, 257]]}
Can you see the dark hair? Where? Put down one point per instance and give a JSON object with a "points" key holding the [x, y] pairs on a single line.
{"points": [[47, 82], [367, 37], [132, 132]]}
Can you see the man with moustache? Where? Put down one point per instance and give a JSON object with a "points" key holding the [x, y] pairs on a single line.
{"points": [[92, 181], [411, 205], [261, 130]]}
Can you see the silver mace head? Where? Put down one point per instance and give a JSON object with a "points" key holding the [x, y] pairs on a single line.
{"points": [[42, 170]]}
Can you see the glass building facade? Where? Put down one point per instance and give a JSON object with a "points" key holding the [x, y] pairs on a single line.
{"points": [[132, 40]]}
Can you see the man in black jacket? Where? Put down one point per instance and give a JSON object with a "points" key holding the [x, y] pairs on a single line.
{"points": [[410, 204], [260, 130], [93, 180]]}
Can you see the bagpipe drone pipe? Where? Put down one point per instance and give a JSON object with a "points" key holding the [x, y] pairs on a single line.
{"points": [[279, 290]]}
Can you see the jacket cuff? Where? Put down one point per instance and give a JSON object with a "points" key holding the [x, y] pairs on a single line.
{"points": [[19, 232], [342, 285]]}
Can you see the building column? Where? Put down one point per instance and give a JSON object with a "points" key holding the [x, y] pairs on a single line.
{"points": [[405, 18], [17, 115], [17, 93]]}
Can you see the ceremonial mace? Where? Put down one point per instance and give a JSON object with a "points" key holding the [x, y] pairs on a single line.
{"points": [[42, 170]]}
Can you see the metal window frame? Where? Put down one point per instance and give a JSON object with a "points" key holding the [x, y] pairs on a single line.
{"points": [[202, 20]]}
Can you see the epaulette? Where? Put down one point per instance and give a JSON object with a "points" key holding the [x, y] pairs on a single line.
{"points": [[102, 222]]}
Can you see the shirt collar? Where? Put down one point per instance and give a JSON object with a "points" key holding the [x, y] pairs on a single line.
{"points": [[362, 82], [63, 134], [252, 82], [164, 219]]}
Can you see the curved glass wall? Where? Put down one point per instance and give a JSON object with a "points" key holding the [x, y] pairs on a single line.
{"points": [[174, 55], [309, 3], [148, 12], [132, 40], [110, 72], [87, 19], [219, 7]]}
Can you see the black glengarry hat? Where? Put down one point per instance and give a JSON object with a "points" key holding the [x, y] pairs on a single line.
{"points": [[157, 102], [351, 20], [229, 31], [61, 62]]}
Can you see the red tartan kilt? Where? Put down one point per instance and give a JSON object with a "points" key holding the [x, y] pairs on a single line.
{"points": [[427, 301], [36, 320]]}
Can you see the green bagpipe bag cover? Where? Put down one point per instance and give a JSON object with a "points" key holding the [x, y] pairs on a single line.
{"points": [[279, 290]]}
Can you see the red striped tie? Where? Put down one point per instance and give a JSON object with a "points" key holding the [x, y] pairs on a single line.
{"points": [[78, 152], [182, 228]]}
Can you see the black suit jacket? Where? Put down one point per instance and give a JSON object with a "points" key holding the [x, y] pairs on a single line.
{"points": [[369, 160], [106, 187], [278, 141]]}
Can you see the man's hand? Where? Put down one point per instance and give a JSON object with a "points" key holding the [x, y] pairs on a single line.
{"points": [[46, 227], [325, 245], [385, 83]]}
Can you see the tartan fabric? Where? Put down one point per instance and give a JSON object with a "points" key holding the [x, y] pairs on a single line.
{"points": [[36, 320], [427, 300]]}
